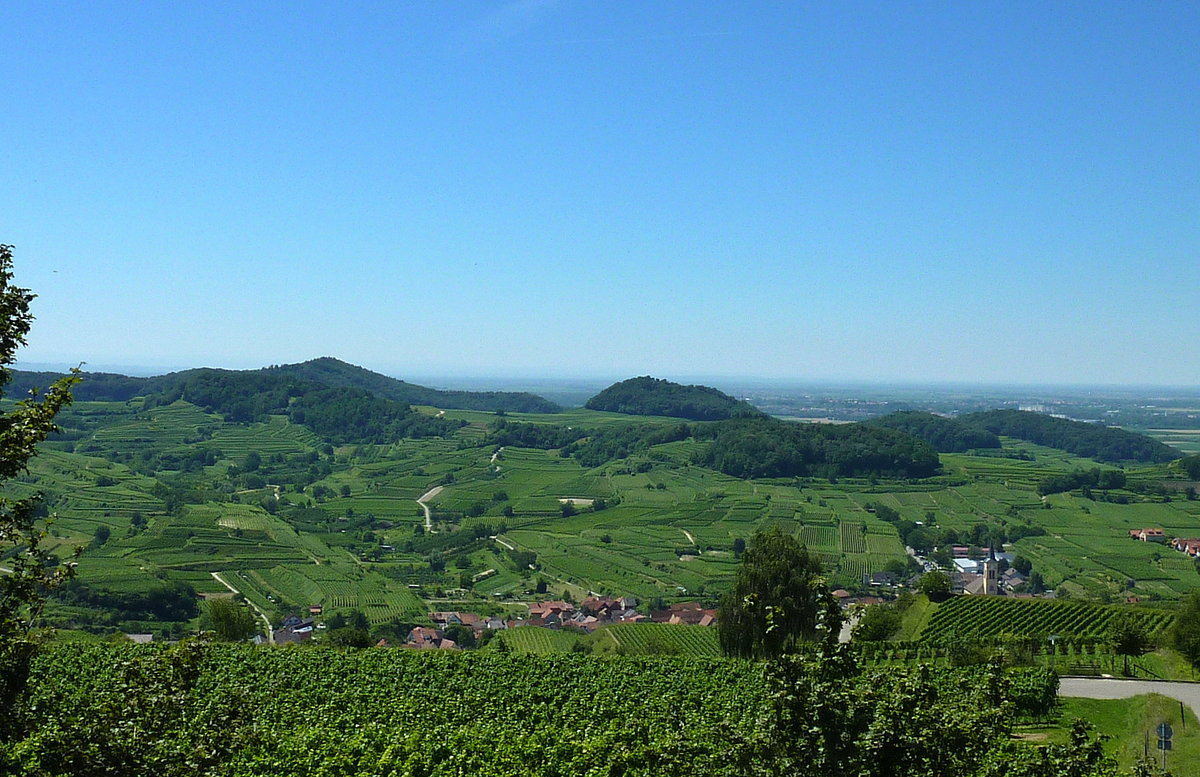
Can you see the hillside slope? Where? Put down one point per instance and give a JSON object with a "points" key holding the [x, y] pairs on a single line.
{"points": [[1103, 443]]}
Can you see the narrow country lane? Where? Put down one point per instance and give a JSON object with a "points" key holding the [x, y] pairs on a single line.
{"points": [[266, 621], [1103, 688], [422, 499]]}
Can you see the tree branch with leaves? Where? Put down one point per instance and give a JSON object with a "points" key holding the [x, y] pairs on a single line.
{"points": [[29, 570]]}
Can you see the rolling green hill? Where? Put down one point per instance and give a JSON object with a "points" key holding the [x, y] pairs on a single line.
{"points": [[288, 506], [655, 396]]}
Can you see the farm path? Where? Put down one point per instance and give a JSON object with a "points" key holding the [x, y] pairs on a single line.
{"points": [[505, 543], [266, 621], [688, 534], [422, 499], [1102, 688]]}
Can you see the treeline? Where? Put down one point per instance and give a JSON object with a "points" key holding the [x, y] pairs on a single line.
{"points": [[924, 537], [1103, 479], [658, 397], [168, 601], [346, 415], [339, 415], [590, 447], [743, 447], [541, 436], [96, 386], [946, 435], [766, 447], [610, 444], [240, 397], [1092, 441]]}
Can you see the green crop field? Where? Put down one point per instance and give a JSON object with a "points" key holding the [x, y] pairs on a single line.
{"points": [[638, 639], [537, 641], [986, 617], [291, 521]]}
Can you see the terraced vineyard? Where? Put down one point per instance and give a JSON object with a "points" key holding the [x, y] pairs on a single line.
{"points": [[642, 639], [988, 617], [292, 521], [531, 640]]}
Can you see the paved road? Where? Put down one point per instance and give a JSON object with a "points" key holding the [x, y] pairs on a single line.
{"points": [[1096, 688], [848, 628]]}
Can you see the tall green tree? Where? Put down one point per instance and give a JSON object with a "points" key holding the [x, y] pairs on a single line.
{"points": [[1185, 633], [1130, 639], [31, 570], [229, 621], [776, 601]]}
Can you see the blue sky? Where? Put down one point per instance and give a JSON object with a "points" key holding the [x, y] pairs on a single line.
{"points": [[994, 192]]}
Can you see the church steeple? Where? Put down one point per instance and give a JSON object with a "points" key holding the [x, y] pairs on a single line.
{"points": [[991, 573]]}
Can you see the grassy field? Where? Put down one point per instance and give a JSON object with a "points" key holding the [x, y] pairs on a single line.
{"points": [[180, 497], [1130, 725]]}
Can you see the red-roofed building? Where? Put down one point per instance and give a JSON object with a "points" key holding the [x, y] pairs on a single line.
{"points": [[1188, 546], [424, 638], [691, 613], [544, 610], [1147, 535]]}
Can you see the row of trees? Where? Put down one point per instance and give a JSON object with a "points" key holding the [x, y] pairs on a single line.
{"points": [[1103, 479]]}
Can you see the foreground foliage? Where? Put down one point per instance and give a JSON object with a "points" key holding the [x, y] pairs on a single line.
{"points": [[29, 569], [234, 710]]}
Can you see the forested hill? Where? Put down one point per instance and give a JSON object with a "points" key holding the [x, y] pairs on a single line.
{"points": [[339, 414], [1103, 443], [326, 371], [767, 447], [655, 396], [750, 447], [333, 372], [946, 435], [96, 386]]}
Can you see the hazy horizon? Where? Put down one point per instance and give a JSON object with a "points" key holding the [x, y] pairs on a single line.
{"points": [[465, 380]]}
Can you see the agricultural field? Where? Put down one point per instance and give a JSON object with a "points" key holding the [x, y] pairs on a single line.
{"points": [[990, 617], [171, 495], [1186, 440], [531, 640], [237, 710], [646, 639]]}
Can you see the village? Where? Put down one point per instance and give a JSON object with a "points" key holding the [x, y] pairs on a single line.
{"points": [[454, 630]]}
